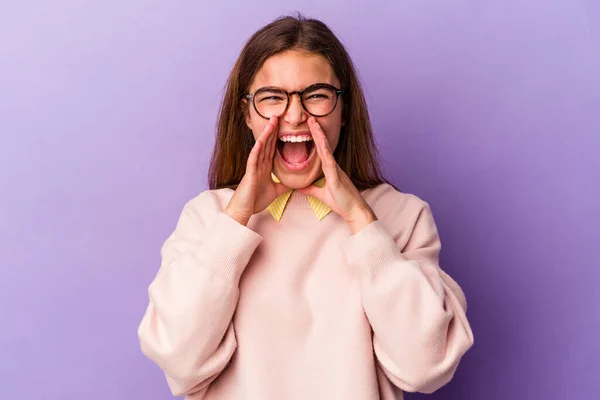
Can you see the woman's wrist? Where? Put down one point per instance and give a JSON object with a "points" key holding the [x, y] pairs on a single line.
{"points": [[363, 217], [236, 216]]}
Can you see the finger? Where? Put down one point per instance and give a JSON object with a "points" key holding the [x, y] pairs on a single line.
{"points": [[266, 135], [270, 130], [323, 150], [280, 188], [253, 157], [321, 140], [272, 144]]}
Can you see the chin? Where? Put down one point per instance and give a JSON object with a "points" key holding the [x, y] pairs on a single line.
{"points": [[296, 182]]}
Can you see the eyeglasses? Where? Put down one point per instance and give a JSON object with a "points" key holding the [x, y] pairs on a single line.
{"points": [[319, 100]]}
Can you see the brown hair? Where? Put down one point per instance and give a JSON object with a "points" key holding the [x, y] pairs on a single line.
{"points": [[356, 152]]}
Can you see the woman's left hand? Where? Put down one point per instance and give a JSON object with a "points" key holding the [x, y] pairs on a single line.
{"points": [[339, 193]]}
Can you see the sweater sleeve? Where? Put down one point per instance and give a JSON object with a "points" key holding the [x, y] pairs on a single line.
{"points": [[417, 312], [187, 329]]}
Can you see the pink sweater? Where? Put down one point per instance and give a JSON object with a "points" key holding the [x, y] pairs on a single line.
{"points": [[301, 309]]}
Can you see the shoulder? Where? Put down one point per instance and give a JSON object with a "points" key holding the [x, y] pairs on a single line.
{"points": [[387, 201], [196, 217], [202, 210], [399, 212], [209, 201]]}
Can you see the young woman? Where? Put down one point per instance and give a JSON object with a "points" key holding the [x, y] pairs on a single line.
{"points": [[301, 274]]}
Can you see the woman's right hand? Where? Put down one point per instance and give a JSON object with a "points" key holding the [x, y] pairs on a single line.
{"points": [[257, 189]]}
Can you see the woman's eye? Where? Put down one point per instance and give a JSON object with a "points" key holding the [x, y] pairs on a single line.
{"points": [[271, 98], [317, 96]]}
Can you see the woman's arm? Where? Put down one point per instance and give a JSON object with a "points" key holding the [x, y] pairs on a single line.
{"points": [[187, 329], [417, 312]]}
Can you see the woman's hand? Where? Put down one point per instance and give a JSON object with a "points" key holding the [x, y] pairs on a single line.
{"points": [[256, 189], [339, 193]]}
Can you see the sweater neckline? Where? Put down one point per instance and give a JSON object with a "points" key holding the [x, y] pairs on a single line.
{"points": [[298, 200]]}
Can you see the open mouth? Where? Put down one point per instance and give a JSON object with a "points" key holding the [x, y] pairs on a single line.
{"points": [[296, 151]]}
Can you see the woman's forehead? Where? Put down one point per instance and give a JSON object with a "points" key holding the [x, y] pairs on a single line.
{"points": [[294, 70]]}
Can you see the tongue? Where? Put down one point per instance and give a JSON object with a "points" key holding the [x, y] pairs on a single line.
{"points": [[294, 153]]}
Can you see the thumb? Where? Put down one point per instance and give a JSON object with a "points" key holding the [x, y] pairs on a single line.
{"points": [[313, 191], [280, 188]]}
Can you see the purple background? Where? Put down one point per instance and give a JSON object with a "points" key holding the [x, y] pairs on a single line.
{"points": [[486, 109]]}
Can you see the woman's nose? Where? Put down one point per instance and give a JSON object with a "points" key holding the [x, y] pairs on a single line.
{"points": [[295, 114]]}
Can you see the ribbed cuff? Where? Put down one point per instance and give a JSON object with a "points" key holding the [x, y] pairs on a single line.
{"points": [[371, 250], [228, 249]]}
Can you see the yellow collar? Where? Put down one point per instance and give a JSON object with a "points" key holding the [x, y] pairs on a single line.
{"points": [[277, 207]]}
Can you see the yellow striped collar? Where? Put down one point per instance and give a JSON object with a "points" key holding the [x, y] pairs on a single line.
{"points": [[277, 207]]}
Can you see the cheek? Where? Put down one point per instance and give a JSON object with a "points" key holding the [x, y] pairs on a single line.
{"points": [[258, 125], [334, 139]]}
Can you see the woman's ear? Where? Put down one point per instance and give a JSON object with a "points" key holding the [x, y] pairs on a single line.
{"points": [[246, 111]]}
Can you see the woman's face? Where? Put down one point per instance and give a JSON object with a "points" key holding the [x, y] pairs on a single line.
{"points": [[297, 165]]}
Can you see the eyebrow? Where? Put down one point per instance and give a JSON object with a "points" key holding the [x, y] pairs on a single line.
{"points": [[277, 88], [270, 89]]}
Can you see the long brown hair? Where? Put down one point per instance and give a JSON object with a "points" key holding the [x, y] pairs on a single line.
{"points": [[356, 152]]}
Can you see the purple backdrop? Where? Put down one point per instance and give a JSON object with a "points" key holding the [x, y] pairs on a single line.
{"points": [[488, 110]]}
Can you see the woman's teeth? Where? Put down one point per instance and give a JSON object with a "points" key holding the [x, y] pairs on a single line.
{"points": [[295, 139]]}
